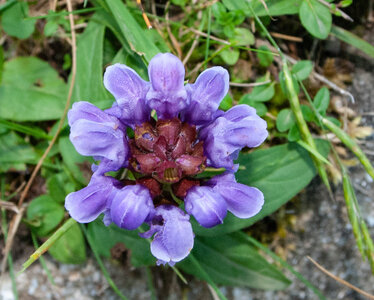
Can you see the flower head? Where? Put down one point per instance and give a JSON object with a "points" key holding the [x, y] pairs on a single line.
{"points": [[164, 154]]}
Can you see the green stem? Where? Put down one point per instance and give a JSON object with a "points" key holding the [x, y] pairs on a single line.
{"points": [[47, 244], [42, 260], [351, 144]]}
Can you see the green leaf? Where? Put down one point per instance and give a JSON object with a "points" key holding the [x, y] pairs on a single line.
{"points": [[44, 214], [316, 18], [31, 91], [321, 100], [72, 159], [230, 56], [280, 172], [353, 40], [261, 93], [274, 7], [230, 261], [260, 107], [14, 152], [70, 248], [56, 187], [265, 59], [226, 103], [307, 113], [136, 36], [294, 134], [243, 37], [285, 120], [14, 23], [105, 238], [302, 69], [89, 79]]}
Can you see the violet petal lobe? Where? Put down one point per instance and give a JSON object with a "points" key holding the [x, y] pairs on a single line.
{"points": [[174, 237], [167, 94], [131, 206], [95, 133], [129, 90], [206, 205], [205, 95], [88, 203], [242, 200], [237, 128]]}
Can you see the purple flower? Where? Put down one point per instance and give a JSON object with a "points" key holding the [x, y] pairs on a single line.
{"points": [[167, 94], [165, 155], [130, 92], [88, 203], [95, 133], [237, 128], [242, 200], [173, 238], [205, 95], [131, 206], [206, 205]]}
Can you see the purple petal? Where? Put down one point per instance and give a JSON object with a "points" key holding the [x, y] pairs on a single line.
{"points": [[96, 133], [87, 111], [239, 127], [243, 201], [131, 206], [130, 91], [207, 206], [167, 94], [174, 239], [205, 95], [87, 204]]}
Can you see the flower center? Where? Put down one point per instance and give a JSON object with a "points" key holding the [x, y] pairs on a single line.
{"points": [[167, 150]]}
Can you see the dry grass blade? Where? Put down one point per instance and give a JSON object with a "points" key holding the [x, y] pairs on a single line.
{"points": [[342, 281], [14, 228], [9, 206]]}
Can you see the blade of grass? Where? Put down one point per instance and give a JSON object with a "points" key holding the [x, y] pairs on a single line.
{"points": [[38, 133], [208, 33], [101, 265], [65, 13], [47, 244], [353, 40], [42, 260], [206, 276], [351, 144], [284, 264], [314, 152]]}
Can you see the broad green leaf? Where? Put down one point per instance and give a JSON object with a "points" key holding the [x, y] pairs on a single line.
{"points": [[285, 120], [353, 40], [243, 37], [31, 91], [308, 113], [261, 93], [321, 100], [265, 59], [14, 152], [274, 7], [57, 185], [136, 36], [260, 107], [70, 248], [302, 69], [230, 56], [72, 159], [14, 21], [89, 78], [316, 18], [44, 214], [230, 261], [280, 172], [105, 238]]}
